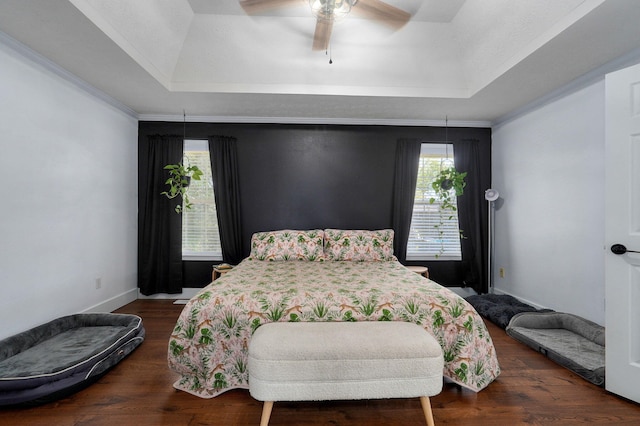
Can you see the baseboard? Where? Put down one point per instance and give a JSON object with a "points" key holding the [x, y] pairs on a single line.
{"points": [[463, 291], [528, 302], [115, 302], [129, 296], [187, 293]]}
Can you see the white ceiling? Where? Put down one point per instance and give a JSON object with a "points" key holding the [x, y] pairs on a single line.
{"points": [[468, 60]]}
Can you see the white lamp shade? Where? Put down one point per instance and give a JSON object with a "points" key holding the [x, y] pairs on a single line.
{"points": [[491, 194]]}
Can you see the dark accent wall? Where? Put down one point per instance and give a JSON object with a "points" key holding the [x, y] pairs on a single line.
{"points": [[314, 176]]}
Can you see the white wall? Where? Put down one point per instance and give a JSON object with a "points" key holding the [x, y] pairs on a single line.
{"points": [[548, 165], [68, 191]]}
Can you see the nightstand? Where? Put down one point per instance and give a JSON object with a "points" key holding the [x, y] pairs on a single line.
{"points": [[421, 270], [218, 271]]}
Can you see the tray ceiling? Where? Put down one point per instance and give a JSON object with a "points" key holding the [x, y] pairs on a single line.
{"points": [[470, 60]]}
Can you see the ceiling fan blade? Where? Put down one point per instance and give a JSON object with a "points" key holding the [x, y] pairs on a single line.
{"points": [[252, 7], [323, 34], [383, 12]]}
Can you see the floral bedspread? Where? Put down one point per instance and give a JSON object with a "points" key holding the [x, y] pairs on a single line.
{"points": [[209, 344]]}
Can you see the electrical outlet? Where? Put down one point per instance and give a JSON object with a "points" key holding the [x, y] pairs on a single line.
{"points": [[98, 283], [501, 272]]}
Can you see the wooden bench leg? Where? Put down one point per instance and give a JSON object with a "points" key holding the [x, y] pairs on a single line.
{"points": [[266, 413], [426, 408]]}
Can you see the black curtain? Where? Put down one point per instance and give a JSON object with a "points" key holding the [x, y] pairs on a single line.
{"points": [[160, 236], [404, 192], [471, 215], [224, 167]]}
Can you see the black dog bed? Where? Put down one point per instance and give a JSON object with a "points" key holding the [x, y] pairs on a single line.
{"points": [[571, 341], [499, 308], [59, 358]]}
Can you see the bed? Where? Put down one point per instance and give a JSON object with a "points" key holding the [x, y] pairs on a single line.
{"points": [[320, 275], [500, 308], [572, 341], [56, 359]]}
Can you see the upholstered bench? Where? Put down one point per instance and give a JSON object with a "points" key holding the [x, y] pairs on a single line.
{"points": [[319, 361]]}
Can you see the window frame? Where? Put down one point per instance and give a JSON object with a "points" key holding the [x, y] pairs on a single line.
{"points": [[199, 145], [443, 152]]}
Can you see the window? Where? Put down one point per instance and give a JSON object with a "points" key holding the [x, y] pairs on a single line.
{"points": [[200, 235], [425, 240]]}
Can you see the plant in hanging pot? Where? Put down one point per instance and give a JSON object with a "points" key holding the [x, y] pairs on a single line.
{"points": [[179, 179], [449, 183]]}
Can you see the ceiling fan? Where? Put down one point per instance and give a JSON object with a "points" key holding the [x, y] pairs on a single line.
{"points": [[328, 11]]}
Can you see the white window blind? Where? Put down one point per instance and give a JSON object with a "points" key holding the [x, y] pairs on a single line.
{"points": [[200, 235], [425, 240]]}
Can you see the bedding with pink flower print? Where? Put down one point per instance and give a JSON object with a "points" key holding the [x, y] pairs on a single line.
{"points": [[358, 245], [288, 244]]}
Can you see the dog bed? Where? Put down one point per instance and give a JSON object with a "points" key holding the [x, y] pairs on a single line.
{"points": [[56, 359], [499, 308], [571, 341]]}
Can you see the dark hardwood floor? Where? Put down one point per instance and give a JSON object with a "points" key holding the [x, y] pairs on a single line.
{"points": [[138, 391]]}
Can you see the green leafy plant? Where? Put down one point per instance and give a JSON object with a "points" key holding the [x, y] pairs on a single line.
{"points": [[449, 183], [179, 179]]}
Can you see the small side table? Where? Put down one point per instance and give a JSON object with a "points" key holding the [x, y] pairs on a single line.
{"points": [[217, 272], [421, 270]]}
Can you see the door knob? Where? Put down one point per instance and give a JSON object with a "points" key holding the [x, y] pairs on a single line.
{"points": [[621, 249]]}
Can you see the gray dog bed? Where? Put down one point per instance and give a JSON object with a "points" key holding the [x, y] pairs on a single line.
{"points": [[499, 308], [59, 358], [571, 341]]}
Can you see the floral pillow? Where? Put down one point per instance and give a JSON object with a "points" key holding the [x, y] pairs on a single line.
{"points": [[288, 245], [359, 246]]}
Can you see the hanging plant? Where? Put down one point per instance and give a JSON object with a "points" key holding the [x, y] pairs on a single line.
{"points": [[179, 179], [449, 183]]}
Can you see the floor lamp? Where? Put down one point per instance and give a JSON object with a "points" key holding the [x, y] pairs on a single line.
{"points": [[491, 195]]}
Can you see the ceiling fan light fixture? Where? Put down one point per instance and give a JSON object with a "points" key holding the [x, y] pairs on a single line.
{"points": [[331, 10]]}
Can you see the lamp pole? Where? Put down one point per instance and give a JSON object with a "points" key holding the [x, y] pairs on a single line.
{"points": [[491, 195]]}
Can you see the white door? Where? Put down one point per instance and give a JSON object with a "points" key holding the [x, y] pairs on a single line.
{"points": [[622, 230]]}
